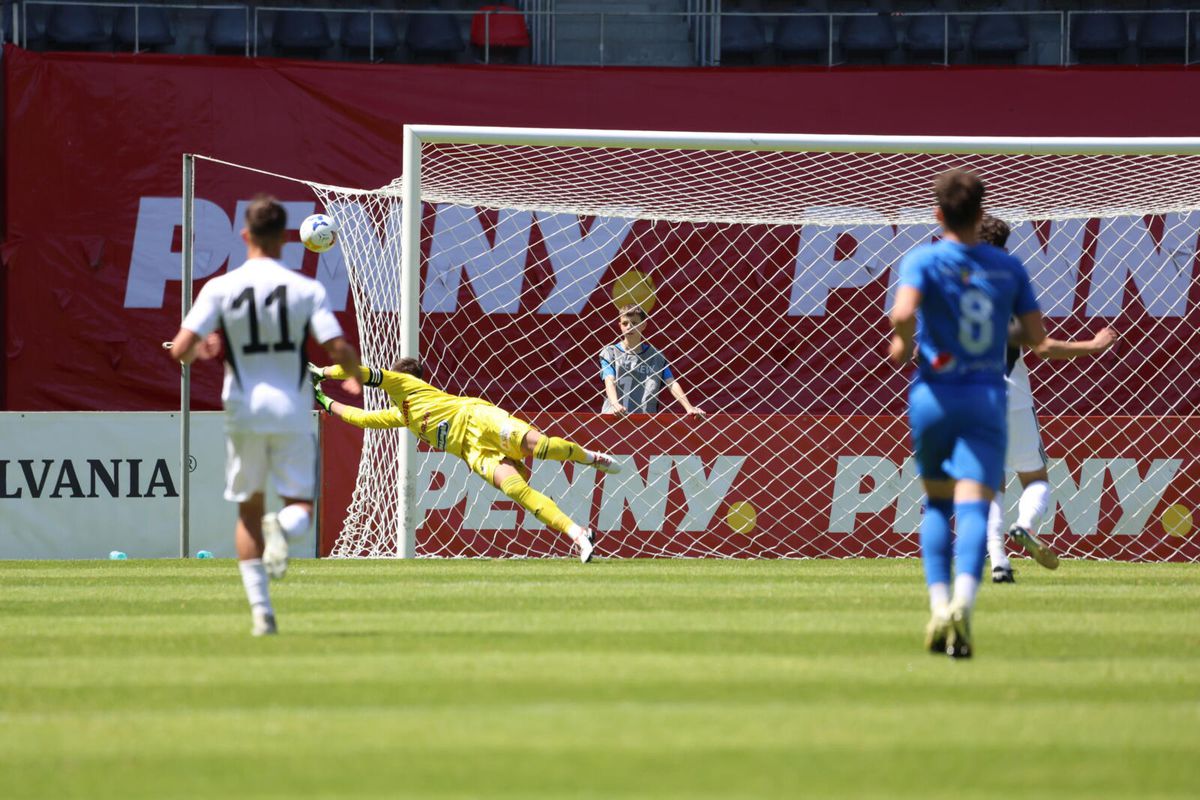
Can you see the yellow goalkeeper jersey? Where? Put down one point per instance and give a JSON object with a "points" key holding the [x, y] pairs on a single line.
{"points": [[433, 415]]}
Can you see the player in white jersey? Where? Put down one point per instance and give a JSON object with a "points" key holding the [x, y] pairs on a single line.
{"points": [[1026, 456], [265, 313]]}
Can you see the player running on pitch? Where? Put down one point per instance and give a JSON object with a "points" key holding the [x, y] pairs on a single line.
{"points": [[1026, 456], [493, 443], [265, 312], [961, 293]]}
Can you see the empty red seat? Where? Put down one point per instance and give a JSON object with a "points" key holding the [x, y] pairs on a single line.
{"points": [[504, 26]]}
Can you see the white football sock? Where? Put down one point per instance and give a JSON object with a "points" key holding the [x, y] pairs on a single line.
{"points": [[1035, 499], [576, 532], [939, 596], [995, 534], [965, 589], [254, 578], [294, 520]]}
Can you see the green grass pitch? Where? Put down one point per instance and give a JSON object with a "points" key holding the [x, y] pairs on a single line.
{"points": [[541, 679]]}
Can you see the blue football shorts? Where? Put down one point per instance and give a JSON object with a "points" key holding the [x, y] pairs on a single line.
{"points": [[959, 431]]}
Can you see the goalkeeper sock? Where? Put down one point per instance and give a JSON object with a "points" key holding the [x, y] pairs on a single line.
{"points": [[294, 520], [995, 534], [537, 504], [552, 448], [1033, 504], [254, 578]]}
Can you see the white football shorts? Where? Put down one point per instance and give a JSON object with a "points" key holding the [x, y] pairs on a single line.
{"points": [[1025, 453], [289, 458]]}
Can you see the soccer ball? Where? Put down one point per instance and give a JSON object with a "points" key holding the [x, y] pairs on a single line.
{"points": [[318, 232]]}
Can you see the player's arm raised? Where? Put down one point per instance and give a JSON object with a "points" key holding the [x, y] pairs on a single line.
{"points": [[343, 354], [385, 418], [1058, 350]]}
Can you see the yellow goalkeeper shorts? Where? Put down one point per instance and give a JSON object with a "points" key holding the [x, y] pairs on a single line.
{"points": [[490, 436]]}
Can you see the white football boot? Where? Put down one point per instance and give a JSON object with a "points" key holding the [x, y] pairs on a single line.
{"points": [[1040, 551], [586, 546], [604, 462], [264, 624], [275, 547]]}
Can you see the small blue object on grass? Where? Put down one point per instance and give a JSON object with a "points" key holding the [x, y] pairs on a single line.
{"points": [[117, 555], [204, 554]]}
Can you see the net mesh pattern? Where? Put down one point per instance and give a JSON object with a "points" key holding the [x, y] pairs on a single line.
{"points": [[766, 276]]}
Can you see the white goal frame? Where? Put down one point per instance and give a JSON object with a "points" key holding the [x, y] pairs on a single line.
{"points": [[409, 190]]}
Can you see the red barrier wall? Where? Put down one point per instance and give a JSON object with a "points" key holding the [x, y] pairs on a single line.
{"points": [[94, 141], [819, 486]]}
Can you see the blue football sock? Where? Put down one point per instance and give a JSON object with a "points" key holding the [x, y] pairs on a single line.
{"points": [[935, 540], [970, 537]]}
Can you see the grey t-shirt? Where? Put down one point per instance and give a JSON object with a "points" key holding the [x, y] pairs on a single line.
{"points": [[640, 376]]}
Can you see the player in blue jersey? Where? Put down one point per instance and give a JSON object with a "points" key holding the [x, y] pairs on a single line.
{"points": [[952, 310]]}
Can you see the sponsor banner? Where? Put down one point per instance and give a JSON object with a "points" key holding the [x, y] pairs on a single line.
{"points": [[91, 252], [82, 484], [819, 486]]}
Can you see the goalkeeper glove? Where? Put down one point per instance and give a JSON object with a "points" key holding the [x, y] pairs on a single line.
{"points": [[315, 374], [323, 400]]}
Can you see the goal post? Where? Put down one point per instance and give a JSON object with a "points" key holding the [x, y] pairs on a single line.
{"points": [[766, 264]]}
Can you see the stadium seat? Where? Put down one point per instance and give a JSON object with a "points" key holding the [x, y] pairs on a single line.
{"points": [[153, 28], [499, 34], [433, 37], [925, 38], [743, 39], [75, 28], [226, 32], [867, 39], [802, 40], [1098, 38], [998, 38], [301, 34], [1161, 38], [357, 34]]}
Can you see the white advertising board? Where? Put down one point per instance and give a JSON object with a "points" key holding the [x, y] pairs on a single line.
{"points": [[82, 484]]}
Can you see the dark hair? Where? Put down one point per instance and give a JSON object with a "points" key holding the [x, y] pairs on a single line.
{"points": [[266, 220], [410, 366], [993, 230], [960, 197], [633, 308]]}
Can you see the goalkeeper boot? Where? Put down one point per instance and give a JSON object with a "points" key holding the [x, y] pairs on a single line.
{"points": [[586, 547], [264, 624], [958, 638], [937, 630], [1003, 575], [1034, 546], [605, 463], [275, 547]]}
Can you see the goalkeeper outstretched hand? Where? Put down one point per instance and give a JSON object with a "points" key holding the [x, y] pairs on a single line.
{"points": [[315, 374], [323, 399]]}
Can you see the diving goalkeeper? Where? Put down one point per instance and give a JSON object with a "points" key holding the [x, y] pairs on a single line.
{"points": [[492, 442]]}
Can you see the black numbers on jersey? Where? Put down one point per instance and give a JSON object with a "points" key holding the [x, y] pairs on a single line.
{"points": [[257, 345]]}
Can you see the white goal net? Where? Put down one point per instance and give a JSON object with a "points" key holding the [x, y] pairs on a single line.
{"points": [[766, 265]]}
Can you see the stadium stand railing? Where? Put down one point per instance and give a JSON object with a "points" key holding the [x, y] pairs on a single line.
{"points": [[560, 32]]}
